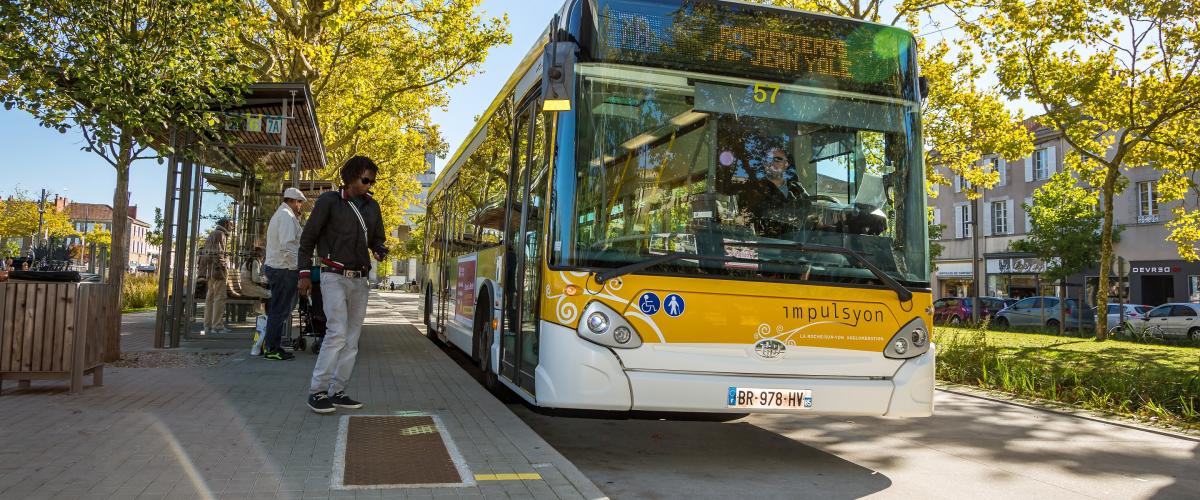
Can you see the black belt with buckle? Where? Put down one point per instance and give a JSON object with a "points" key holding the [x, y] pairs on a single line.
{"points": [[344, 272]]}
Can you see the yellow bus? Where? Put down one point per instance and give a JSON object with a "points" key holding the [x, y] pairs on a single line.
{"points": [[697, 206]]}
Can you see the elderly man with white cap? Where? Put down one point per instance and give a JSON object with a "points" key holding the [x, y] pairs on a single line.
{"points": [[283, 247]]}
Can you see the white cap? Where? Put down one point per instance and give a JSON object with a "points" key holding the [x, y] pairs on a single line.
{"points": [[294, 194]]}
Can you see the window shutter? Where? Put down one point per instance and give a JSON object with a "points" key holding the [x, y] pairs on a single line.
{"points": [[1028, 221], [958, 221], [957, 183], [1029, 167], [1003, 168], [1051, 160], [937, 216], [986, 223], [937, 189], [1011, 216]]}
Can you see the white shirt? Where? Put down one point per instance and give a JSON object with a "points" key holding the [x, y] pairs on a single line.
{"points": [[283, 239]]}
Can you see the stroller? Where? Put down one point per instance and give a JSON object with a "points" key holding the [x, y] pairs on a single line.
{"points": [[312, 320]]}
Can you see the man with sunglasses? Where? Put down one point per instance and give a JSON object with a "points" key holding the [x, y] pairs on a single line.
{"points": [[343, 232]]}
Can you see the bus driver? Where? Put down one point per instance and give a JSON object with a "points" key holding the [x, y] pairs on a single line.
{"points": [[779, 188]]}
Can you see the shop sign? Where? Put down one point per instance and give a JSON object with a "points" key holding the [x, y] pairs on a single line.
{"points": [[1015, 266], [1154, 269], [954, 270]]}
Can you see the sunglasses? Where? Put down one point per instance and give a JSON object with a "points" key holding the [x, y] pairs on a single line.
{"points": [[368, 181]]}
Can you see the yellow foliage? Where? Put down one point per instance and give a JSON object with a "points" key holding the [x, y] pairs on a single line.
{"points": [[19, 218]]}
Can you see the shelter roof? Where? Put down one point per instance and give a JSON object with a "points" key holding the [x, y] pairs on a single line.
{"points": [[254, 134]]}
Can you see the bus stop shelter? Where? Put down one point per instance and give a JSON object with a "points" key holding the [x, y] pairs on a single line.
{"points": [[269, 142]]}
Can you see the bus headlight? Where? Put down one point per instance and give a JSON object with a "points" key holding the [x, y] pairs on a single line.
{"points": [[622, 335], [911, 341], [603, 325], [919, 337], [597, 322]]}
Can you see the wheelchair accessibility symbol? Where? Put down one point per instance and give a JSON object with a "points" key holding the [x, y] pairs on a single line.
{"points": [[674, 305], [648, 303]]}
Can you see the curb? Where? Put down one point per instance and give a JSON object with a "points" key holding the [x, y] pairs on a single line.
{"points": [[1061, 409]]}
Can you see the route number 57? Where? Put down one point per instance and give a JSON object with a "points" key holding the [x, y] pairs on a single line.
{"points": [[760, 92]]}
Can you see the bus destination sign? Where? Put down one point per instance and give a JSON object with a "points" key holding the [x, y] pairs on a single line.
{"points": [[752, 43]]}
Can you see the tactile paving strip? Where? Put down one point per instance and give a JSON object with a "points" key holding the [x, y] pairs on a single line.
{"points": [[397, 451]]}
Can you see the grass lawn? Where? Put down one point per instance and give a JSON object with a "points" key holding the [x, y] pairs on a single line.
{"points": [[1143, 380], [1084, 350]]}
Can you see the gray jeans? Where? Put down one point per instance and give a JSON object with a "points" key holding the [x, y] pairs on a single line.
{"points": [[345, 308]]}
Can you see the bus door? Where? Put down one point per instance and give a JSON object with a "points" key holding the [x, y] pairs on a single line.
{"points": [[445, 264], [523, 252]]}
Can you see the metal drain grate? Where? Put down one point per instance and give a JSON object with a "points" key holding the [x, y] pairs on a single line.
{"points": [[396, 452]]}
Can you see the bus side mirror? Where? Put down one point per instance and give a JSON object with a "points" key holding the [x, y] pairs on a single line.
{"points": [[923, 86], [558, 72]]}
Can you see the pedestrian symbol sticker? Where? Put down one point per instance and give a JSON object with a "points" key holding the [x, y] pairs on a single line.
{"points": [[674, 305], [648, 303]]}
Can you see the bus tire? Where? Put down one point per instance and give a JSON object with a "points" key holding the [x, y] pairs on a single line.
{"points": [[491, 381], [483, 319]]}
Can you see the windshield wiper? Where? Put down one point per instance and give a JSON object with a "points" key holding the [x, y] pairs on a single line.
{"points": [[901, 292], [646, 264]]}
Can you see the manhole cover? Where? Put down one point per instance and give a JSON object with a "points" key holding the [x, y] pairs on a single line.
{"points": [[396, 452]]}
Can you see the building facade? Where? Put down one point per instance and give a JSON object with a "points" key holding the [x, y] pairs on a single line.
{"points": [[1155, 272], [86, 217]]}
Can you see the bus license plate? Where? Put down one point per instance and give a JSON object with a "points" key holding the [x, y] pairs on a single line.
{"points": [[773, 399]]}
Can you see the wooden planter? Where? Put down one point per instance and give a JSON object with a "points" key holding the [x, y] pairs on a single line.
{"points": [[54, 331]]}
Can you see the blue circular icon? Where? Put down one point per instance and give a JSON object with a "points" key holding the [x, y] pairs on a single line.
{"points": [[648, 303], [674, 305]]}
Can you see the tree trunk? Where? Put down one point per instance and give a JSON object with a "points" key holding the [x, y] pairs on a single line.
{"points": [[118, 260], [1106, 249]]}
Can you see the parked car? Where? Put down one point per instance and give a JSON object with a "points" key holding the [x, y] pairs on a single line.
{"points": [[1043, 311], [955, 310], [1178, 319], [1132, 312]]}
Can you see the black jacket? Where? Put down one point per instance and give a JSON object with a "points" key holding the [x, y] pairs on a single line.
{"points": [[336, 236]]}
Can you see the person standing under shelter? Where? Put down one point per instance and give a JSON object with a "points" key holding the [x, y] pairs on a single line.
{"points": [[283, 248], [214, 263], [344, 230]]}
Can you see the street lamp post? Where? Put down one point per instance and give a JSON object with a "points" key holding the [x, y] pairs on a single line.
{"points": [[37, 238]]}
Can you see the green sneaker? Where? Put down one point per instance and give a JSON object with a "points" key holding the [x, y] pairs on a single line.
{"points": [[279, 355]]}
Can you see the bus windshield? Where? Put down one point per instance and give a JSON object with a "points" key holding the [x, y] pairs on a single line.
{"points": [[737, 170]]}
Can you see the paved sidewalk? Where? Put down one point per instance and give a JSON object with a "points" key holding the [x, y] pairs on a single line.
{"points": [[241, 429]]}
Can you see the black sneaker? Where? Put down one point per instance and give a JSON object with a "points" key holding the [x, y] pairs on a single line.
{"points": [[279, 355], [321, 403], [341, 400]]}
